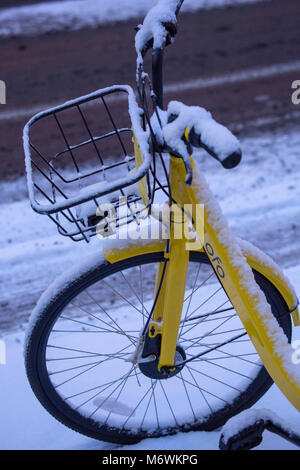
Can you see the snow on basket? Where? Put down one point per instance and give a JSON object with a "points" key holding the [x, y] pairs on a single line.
{"points": [[89, 153]]}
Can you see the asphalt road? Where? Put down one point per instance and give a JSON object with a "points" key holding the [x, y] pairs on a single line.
{"points": [[56, 67]]}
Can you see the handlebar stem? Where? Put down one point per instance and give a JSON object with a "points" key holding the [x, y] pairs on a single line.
{"points": [[157, 75]]}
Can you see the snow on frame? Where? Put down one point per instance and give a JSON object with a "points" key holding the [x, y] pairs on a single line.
{"points": [[40, 18], [214, 216], [255, 196]]}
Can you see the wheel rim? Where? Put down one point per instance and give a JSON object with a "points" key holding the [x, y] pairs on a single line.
{"points": [[126, 401]]}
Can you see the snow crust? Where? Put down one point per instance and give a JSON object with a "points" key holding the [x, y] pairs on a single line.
{"points": [[212, 134], [153, 28], [103, 187], [266, 260], [72, 15], [215, 218]]}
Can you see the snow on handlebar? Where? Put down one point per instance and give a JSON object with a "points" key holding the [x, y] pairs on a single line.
{"points": [[203, 131], [159, 27]]}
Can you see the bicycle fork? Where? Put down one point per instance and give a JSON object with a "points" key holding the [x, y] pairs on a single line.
{"points": [[171, 279], [236, 277]]}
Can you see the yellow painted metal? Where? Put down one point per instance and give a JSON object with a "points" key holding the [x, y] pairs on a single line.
{"points": [[159, 307], [228, 274], [245, 305], [274, 276], [175, 279], [116, 254], [176, 270], [138, 162]]}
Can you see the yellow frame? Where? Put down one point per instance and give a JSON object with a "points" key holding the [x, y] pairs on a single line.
{"points": [[168, 309]]}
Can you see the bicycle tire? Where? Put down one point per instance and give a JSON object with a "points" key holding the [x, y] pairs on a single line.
{"points": [[66, 292]]}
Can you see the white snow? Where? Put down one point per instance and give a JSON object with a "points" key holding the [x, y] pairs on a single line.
{"points": [[250, 417], [152, 27], [19, 410], [103, 187], [77, 14], [261, 200], [215, 136], [214, 215]]}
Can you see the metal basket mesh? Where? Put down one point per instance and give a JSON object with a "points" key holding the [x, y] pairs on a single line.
{"points": [[75, 154]]}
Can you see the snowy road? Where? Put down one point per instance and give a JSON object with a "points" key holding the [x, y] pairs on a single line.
{"points": [[260, 197], [44, 17], [19, 409]]}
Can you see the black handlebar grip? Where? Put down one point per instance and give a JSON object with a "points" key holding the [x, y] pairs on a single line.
{"points": [[232, 160], [228, 161]]}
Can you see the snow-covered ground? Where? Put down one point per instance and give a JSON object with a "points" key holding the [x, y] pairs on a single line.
{"points": [[261, 199], [77, 14], [20, 410]]}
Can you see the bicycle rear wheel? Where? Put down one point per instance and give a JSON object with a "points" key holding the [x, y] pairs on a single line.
{"points": [[79, 352]]}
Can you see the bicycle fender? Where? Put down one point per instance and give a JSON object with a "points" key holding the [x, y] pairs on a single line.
{"points": [[115, 251], [266, 266]]}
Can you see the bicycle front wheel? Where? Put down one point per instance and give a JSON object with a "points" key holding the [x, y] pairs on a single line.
{"points": [[80, 349]]}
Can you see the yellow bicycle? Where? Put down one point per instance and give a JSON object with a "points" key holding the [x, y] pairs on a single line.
{"points": [[176, 325]]}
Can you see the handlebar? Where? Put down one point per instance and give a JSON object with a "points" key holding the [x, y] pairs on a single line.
{"points": [[185, 127], [157, 75], [157, 31], [228, 158], [159, 26]]}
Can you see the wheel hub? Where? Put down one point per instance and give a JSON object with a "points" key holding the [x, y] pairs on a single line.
{"points": [[150, 367]]}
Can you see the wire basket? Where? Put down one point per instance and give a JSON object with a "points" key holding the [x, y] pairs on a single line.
{"points": [[88, 159]]}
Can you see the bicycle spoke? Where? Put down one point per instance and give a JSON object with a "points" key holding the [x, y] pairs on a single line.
{"points": [[205, 301], [215, 312], [166, 397], [210, 332], [148, 405], [199, 287], [214, 378], [190, 300], [188, 397], [203, 389], [106, 398], [97, 318], [137, 406], [201, 392], [133, 291], [107, 387], [109, 316], [101, 329], [124, 298], [107, 384]]}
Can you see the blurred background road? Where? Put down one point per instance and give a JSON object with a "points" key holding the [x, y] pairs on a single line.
{"points": [[238, 62]]}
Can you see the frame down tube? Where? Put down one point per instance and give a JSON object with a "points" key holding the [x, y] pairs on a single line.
{"points": [[237, 279]]}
